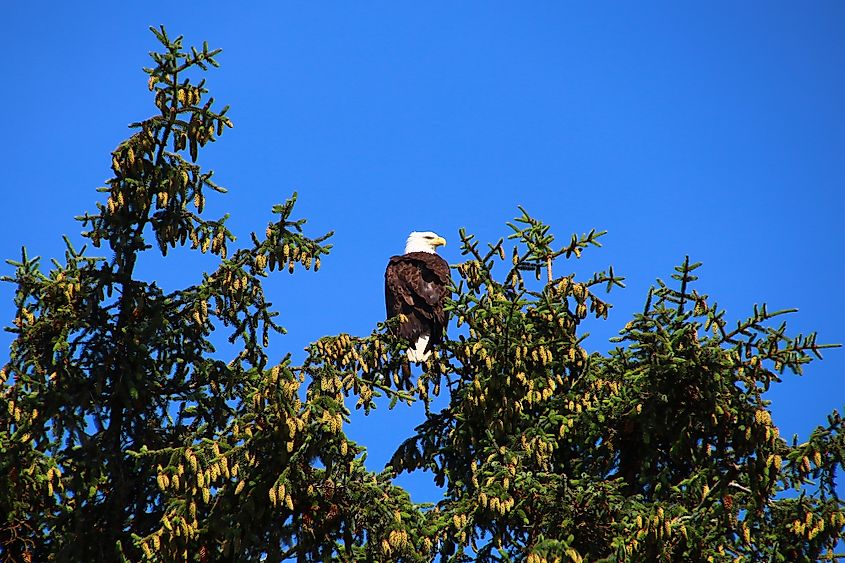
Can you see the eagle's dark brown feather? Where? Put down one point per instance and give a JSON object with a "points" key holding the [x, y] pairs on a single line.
{"points": [[415, 285]]}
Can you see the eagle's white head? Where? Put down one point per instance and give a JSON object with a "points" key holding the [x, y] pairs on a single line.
{"points": [[424, 241]]}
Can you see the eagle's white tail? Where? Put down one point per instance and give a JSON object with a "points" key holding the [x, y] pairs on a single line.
{"points": [[418, 353]]}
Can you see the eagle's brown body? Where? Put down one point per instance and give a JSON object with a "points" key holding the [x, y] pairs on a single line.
{"points": [[415, 285]]}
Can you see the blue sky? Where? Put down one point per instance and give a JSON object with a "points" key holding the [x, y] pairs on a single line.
{"points": [[716, 131]]}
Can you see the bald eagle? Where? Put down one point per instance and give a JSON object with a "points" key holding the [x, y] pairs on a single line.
{"points": [[415, 286]]}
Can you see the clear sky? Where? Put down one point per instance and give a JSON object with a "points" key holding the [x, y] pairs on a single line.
{"points": [[715, 130]]}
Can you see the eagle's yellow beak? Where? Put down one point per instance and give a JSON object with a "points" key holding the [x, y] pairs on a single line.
{"points": [[439, 241]]}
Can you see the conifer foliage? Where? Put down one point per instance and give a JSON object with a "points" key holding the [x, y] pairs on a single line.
{"points": [[125, 435]]}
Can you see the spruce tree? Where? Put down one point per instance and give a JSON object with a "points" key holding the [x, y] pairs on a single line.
{"points": [[126, 435], [662, 450]]}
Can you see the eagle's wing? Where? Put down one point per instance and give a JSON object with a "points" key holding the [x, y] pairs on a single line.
{"points": [[434, 280], [397, 292]]}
